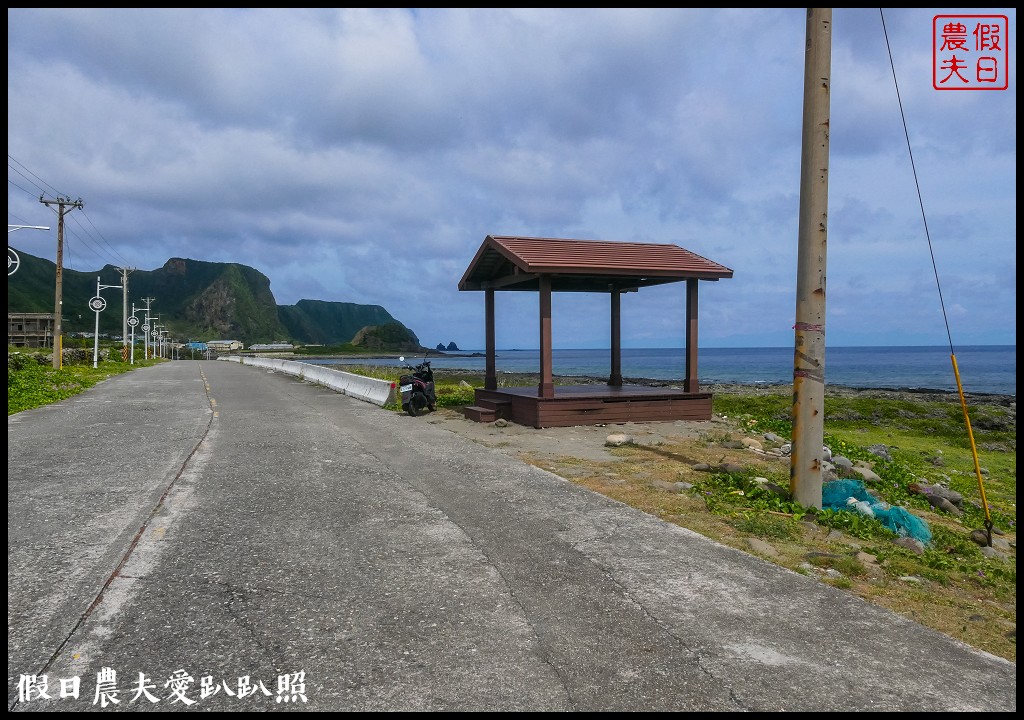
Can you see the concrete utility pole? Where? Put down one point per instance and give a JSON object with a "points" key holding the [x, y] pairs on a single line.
{"points": [[124, 311], [64, 206], [805, 470]]}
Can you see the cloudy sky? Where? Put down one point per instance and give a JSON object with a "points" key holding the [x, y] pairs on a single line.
{"points": [[363, 155]]}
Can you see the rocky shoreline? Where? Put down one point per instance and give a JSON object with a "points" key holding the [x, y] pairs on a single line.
{"points": [[913, 394], [910, 394]]}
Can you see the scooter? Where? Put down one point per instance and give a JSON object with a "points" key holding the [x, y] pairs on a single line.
{"points": [[417, 388]]}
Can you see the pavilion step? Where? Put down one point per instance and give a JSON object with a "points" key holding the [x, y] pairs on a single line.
{"points": [[501, 407], [479, 414]]}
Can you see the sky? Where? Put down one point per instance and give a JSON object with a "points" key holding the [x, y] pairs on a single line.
{"points": [[363, 155]]}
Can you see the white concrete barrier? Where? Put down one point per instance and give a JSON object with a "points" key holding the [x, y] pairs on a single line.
{"points": [[378, 392]]}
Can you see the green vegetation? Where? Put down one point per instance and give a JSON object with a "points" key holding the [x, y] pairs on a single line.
{"points": [[330, 323], [927, 441], [32, 381]]}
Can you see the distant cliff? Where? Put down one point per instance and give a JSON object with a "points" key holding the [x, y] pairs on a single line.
{"points": [[195, 300], [330, 323]]}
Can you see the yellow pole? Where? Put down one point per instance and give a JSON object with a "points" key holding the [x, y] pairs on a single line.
{"points": [[974, 451]]}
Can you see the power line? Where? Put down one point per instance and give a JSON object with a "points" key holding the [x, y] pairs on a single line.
{"points": [[938, 285], [41, 187]]}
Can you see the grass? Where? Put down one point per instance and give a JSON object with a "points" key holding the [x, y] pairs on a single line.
{"points": [[32, 381], [952, 586]]}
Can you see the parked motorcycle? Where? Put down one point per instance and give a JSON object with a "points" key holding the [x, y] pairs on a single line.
{"points": [[417, 388]]}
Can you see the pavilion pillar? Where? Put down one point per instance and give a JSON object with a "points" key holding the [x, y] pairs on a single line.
{"points": [[490, 374], [615, 378], [546, 387], [690, 383]]}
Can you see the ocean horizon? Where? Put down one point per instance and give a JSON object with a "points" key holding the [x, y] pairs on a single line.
{"points": [[988, 369]]}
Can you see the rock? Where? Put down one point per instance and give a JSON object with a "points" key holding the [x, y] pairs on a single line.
{"points": [[992, 554], [980, 537], [751, 443], [937, 491], [835, 536], [731, 467], [915, 546], [778, 490], [943, 504], [841, 461], [998, 543], [701, 467], [762, 548], [881, 451], [866, 558], [866, 474], [618, 440]]}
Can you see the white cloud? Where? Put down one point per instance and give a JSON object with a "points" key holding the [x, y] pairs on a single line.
{"points": [[362, 155]]}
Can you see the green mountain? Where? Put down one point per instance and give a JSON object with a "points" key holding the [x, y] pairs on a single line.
{"points": [[330, 323], [193, 299]]}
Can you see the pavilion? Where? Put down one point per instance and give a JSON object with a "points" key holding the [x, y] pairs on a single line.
{"points": [[546, 265]]}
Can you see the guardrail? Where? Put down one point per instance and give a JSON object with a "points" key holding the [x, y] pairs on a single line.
{"points": [[378, 392]]}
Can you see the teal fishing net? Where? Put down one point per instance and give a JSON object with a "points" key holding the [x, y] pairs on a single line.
{"points": [[851, 495]]}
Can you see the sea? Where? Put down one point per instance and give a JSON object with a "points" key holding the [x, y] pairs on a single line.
{"points": [[985, 369]]}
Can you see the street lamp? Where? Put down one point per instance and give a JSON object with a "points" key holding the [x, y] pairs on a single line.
{"points": [[13, 261], [158, 346], [97, 305], [149, 331], [133, 323]]}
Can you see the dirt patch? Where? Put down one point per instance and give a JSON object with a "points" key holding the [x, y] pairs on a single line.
{"points": [[581, 442]]}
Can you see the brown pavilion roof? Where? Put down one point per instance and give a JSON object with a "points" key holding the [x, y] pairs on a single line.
{"points": [[515, 263]]}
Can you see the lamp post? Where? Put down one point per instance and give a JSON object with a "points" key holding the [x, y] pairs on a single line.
{"points": [[97, 304], [13, 261], [158, 347], [133, 323], [150, 333]]}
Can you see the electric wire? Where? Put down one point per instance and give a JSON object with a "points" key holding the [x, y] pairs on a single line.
{"points": [[87, 238], [938, 285]]}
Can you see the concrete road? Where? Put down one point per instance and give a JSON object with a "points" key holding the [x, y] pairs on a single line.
{"points": [[211, 536]]}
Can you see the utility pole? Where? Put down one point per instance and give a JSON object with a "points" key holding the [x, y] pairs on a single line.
{"points": [[145, 327], [805, 472], [124, 311], [64, 206]]}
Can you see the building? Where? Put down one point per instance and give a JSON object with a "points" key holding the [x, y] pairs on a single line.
{"points": [[224, 345], [30, 329]]}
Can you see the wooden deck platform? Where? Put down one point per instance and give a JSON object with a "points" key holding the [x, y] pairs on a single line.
{"points": [[588, 405]]}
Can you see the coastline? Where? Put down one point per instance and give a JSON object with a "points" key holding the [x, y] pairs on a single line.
{"points": [[519, 378], [918, 394]]}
